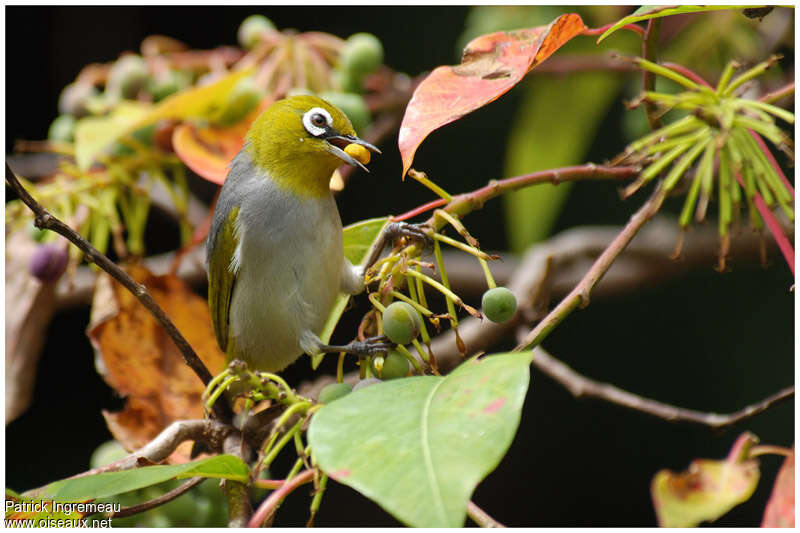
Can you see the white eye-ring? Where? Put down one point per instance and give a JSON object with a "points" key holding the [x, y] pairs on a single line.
{"points": [[317, 121]]}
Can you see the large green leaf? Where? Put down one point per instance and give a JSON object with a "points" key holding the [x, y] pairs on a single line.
{"points": [[651, 12], [358, 239], [112, 483], [419, 446]]}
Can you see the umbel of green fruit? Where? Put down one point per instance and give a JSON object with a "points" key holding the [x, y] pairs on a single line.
{"points": [[353, 106], [334, 391], [390, 366], [401, 322], [499, 304]]}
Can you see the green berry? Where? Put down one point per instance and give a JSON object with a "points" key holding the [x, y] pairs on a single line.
{"points": [[127, 76], [401, 322], [334, 391], [345, 81], [366, 383], [353, 106], [242, 99], [362, 54], [74, 97], [107, 453], [499, 304], [252, 28], [390, 366], [62, 129], [167, 85]]}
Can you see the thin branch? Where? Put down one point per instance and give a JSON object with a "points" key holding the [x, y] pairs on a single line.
{"points": [[650, 53], [580, 294], [686, 71], [581, 386], [602, 29], [464, 204], [44, 220], [481, 517], [161, 500], [268, 507]]}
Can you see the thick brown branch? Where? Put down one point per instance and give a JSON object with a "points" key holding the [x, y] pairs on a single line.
{"points": [[581, 386], [44, 220], [161, 500]]}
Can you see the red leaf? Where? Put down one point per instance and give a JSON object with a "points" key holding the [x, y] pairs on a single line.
{"points": [[780, 507], [491, 65], [208, 151]]}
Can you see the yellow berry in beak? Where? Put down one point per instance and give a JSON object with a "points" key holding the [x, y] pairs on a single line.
{"points": [[357, 152]]}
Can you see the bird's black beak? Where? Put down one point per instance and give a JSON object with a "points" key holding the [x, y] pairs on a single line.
{"points": [[338, 142]]}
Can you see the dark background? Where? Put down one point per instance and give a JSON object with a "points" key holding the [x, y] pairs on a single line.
{"points": [[709, 341]]}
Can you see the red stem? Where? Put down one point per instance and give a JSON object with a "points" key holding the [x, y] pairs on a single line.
{"points": [[685, 71], [774, 227], [599, 31], [276, 497], [421, 209], [775, 165]]}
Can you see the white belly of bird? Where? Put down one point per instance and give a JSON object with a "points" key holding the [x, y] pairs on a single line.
{"points": [[288, 281]]}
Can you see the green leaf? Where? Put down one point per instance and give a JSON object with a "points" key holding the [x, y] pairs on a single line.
{"points": [[418, 446], [94, 134], [112, 483], [708, 489], [358, 239], [651, 12], [30, 511]]}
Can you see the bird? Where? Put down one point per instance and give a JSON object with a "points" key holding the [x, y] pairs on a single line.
{"points": [[274, 252]]}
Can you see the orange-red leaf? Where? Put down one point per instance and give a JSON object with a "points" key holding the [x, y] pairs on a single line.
{"points": [[491, 65], [139, 360], [780, 507], [208, 150]]}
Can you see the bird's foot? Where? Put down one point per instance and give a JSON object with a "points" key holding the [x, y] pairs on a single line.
{"points": [[362, 349], [412, 232]]}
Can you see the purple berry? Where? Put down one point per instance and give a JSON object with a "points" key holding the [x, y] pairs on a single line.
{"points": [[48, 262]]}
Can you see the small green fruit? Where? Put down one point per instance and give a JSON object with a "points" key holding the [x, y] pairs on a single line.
{"points": [[62, 129], [499, 304], [362, 54], [127, 76], [74, 97], [366, 383], [391, 366], [167, 85], [252, 28], [345, 81], [353, 106], [243, 98], [107, 453], [401, 322], [334, 391]]}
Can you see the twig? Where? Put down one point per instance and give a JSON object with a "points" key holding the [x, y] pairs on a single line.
{"points": [[580, 294], [650, 53], [602, 29], [44, 220], [161, 500], [581, 386], [685, 71], [463, 204], [268, 506], [481, 517]]}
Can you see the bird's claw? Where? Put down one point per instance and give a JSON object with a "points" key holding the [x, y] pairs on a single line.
{"points": [[371, 346], [412, 232]]}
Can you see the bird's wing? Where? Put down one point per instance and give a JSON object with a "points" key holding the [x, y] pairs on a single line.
{"points": [[222, 274]]}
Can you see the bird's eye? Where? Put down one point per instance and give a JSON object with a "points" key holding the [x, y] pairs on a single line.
{"points": [[317, 121]]}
